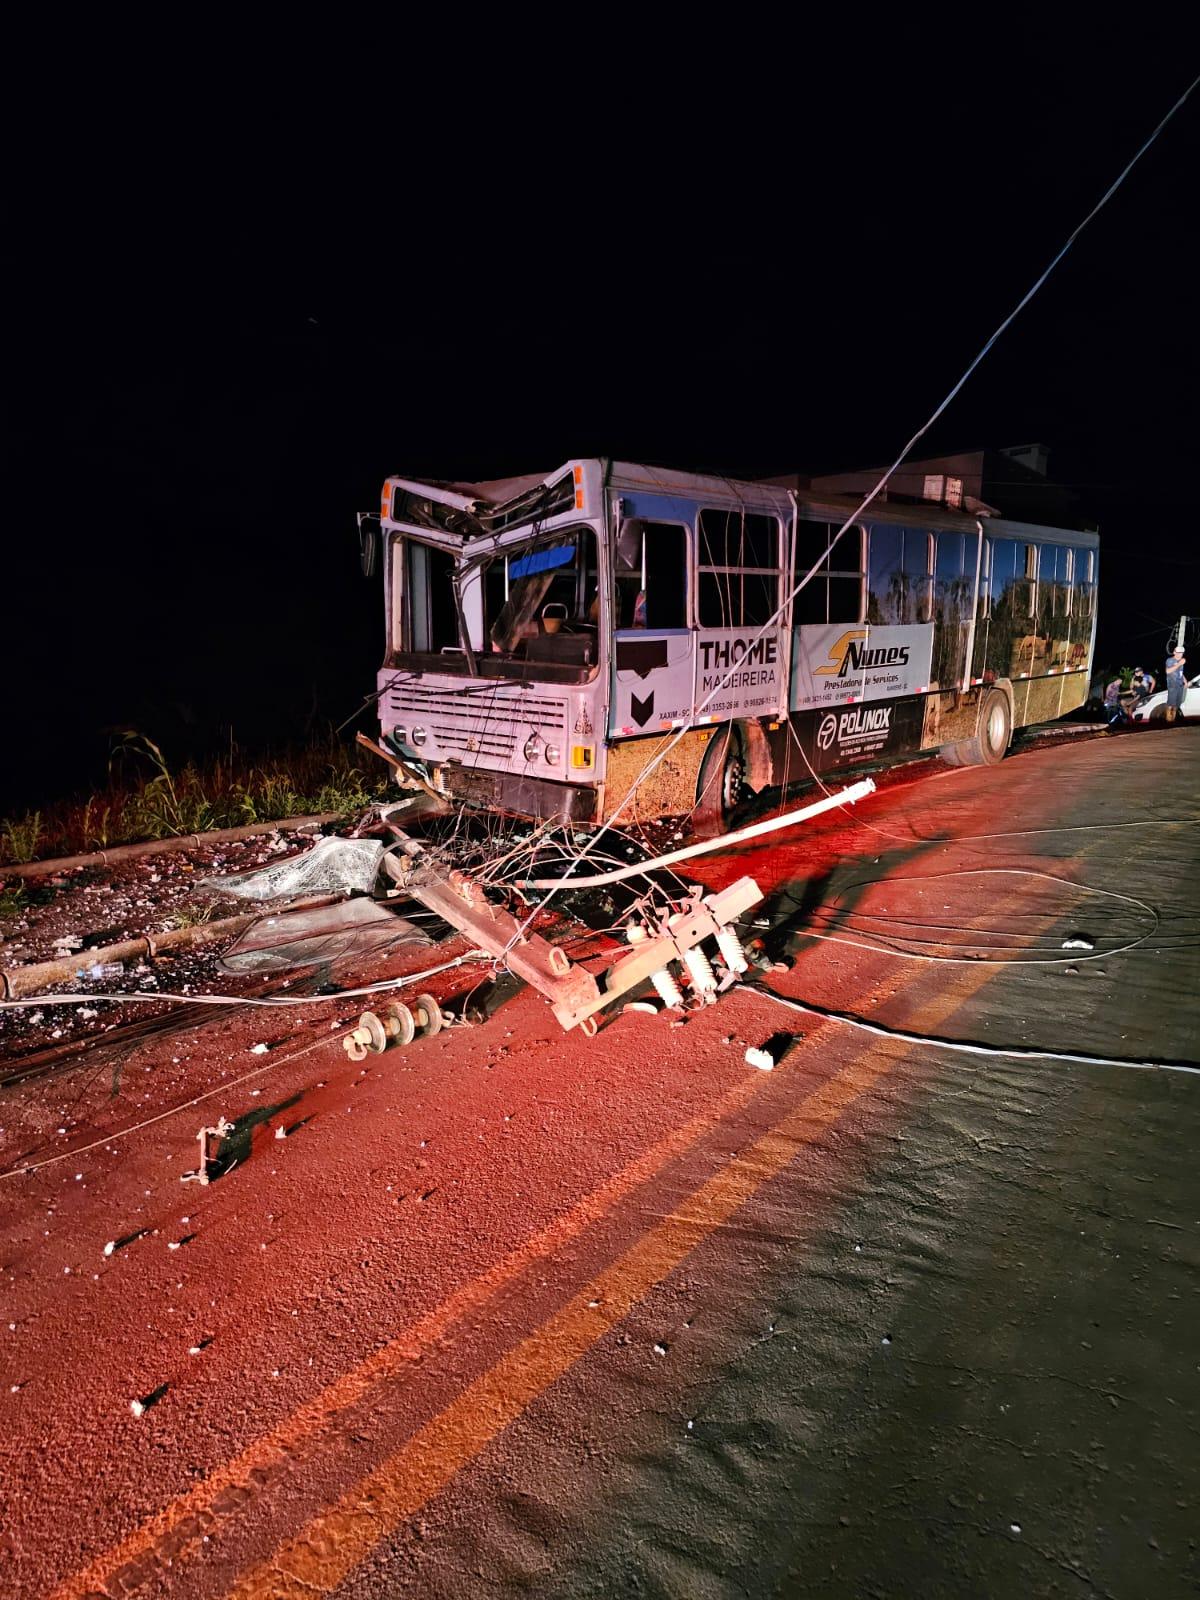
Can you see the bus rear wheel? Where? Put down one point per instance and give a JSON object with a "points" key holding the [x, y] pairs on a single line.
{"points": [[990, 744], [721, 784]]}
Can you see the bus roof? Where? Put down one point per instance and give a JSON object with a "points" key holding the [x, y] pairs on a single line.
{"points": [[752, 494]]}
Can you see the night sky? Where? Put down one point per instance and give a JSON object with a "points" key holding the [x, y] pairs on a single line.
{"points": [[243, 297]]}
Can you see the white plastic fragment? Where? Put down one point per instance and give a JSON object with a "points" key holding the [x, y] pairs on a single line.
{"points": [[259, 1049], [762, 1059], [137, 1407], [110, 1247], [646, 1007], [1079, 941]]}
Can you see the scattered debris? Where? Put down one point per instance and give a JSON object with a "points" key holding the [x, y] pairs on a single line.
{"points": [[259, 1049], [331, 866], [762, 1059], [1078, 941], [140, 1407], [210, 1140], [114, 1245]]}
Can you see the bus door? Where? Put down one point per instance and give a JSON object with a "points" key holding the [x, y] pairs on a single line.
{"points": [[653, 650]]}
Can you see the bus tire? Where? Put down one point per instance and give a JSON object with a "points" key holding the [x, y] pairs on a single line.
{"points": [[990, 744], [721, 784]]}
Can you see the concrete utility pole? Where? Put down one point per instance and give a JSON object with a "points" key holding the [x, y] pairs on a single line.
{"points": [[1182, 631]]}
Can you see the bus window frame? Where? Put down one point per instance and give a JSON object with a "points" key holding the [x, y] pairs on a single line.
{"points": [[825, 575], [691, 606], [703, 567], [402, 544]]}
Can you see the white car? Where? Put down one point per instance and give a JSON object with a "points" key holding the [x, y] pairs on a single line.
{"points": [[1155, 709]]}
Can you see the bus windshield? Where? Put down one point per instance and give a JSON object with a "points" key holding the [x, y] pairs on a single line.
{"points": [[542, 604]]}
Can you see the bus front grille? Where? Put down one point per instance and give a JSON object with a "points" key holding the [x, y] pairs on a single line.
{"points": [[478, 725]]}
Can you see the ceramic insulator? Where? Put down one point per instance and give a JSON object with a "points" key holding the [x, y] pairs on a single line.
{"points": [[731, 950], [701, 970], [668, 989]]}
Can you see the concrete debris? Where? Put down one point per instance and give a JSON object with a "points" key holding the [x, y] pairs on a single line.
{"points": [[762, 1059]]}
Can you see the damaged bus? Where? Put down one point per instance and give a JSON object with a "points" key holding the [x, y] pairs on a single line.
{"points": [[547, 636]]}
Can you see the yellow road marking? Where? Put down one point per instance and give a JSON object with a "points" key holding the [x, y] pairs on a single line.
{"points": [[182, 1522], [400, 1353], [324, 1553]]}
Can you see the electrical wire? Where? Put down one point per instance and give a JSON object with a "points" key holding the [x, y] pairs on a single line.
{"points": [[146, 997], [1018, 1052], [773, 620], [1015, 961], [124, 1133]]}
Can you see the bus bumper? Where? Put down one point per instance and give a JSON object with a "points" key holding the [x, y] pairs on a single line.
{"points": [[519, 794]]}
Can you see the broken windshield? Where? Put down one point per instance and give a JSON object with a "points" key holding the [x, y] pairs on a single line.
{"points": [[542, 603], [528, 609]]}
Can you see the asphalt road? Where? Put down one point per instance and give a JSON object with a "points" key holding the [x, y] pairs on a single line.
{"points": [[511, 1312]]}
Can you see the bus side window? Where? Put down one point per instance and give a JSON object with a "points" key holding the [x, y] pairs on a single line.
{"points": [[651, 572], [918, 553], [885, 577], [899, 582], [834, 593], [739, 568], [1085, 581]]}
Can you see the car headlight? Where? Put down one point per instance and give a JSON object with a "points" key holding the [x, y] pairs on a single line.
{"points": [[417, 737]]}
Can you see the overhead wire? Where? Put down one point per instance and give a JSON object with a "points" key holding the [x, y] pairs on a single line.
{"points": [[942, 406]]}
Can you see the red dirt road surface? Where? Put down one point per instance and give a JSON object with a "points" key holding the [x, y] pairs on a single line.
{"points": [[512, 1312]]}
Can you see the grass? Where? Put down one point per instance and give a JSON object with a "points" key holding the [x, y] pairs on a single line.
{"points": [[145, 798]]}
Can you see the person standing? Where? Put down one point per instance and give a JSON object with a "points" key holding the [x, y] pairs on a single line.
{"points": [[1114, 711], [1176, 683]]}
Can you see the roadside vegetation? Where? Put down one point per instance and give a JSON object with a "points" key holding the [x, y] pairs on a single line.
{"points": [[145, 798]]}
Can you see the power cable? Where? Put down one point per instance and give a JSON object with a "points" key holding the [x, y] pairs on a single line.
{"points": [[145, 997], [1018, 1052], [773, 620]]}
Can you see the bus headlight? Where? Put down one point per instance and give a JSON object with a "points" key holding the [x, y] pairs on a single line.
{"points": [[553, 754], [399, 735], [531, 747], [417, 737]]}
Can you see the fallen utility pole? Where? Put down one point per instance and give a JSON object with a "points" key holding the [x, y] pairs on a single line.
{"points": [[575, 995]]}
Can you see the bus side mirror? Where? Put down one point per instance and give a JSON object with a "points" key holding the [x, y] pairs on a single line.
{"points": [[369, 540]]}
